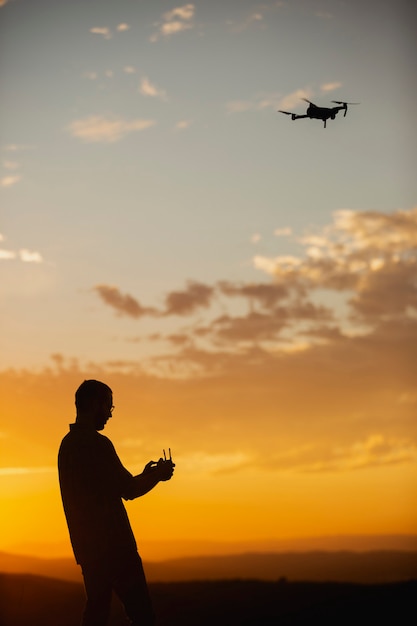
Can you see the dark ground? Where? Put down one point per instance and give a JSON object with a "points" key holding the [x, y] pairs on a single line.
{"points": [[34, 601]]}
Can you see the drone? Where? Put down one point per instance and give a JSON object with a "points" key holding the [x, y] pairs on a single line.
{"points": [[321, 113]]}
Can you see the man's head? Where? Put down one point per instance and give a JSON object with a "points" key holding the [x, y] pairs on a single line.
{"points": [[94, 403]]}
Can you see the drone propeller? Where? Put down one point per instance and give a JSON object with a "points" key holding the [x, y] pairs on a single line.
{"points": [[305, 100], [341, 102], [285, 112], [344, 104]]}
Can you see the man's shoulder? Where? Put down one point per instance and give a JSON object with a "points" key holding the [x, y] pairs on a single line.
{"points": [[79, 436]]}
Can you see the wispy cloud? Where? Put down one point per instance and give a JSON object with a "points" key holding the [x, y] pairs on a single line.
{"points": [[260, 102], [175, 21], [181, 302], [184, 12], [25, 471], [264, 101], [11, 165], [283, 232], [330, 86], [150, 90], [294, 98], [256, 17], [187, 301], [201, 462], [24, 255], [10, 180], [183, 125], [30, 256], [376, 450], [123, 304], [15, 147], [101, 30], [123, 27], [101, 129]]}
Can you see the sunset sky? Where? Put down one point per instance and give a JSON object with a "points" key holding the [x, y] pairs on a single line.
{"points": [[246, 284]]}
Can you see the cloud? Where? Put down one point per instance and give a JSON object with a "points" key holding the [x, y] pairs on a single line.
{"points": [[374, 451], [257, 17], [268, 324], [266, 294], [330, 86], [11, 165], [185, 12], [195, 296], [253, 327], [24, 255], [151, 90], [28, 256], [175, 21], [122, 28], [25, 471], [182, 125], [371, 452], [283, 232], [365, 253], [124, 304], [10, 181], [340, 317], [343, 405], [101, 30], [14, 147], [264, 101], [91, 75], [253, 18], [293, 99], [6, 255], [260, 102], [200, 462], [98, 128]]}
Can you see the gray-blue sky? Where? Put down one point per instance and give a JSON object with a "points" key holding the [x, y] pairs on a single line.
{"points": [[141, 146]]}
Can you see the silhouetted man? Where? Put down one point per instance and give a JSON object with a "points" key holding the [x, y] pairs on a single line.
{"points": [[93, 482]]}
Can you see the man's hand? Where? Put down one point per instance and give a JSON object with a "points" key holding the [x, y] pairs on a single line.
{"points": [[150, 467], [162, 470], [165, 469]]}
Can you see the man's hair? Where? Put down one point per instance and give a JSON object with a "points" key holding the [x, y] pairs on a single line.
{"points": [[88, 392]]}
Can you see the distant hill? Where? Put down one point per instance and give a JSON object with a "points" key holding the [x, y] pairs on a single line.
{"points": [[356, 567], [64, 569], [163, 550], [36, 601]]}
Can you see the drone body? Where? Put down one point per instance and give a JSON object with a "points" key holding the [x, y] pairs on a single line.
{"points": [[321, 113]]}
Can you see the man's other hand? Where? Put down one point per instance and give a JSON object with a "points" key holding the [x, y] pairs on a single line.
{"points": [[165, 469]]}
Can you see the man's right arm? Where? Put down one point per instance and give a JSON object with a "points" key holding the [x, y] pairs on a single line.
{"points": [[152, 474], [130, 487]]}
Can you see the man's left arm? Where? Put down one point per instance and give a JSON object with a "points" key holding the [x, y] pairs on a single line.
{"points": [[152, 474], [130, 487]]}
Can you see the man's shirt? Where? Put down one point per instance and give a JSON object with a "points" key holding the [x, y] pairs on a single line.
{"points": [[93, 482]]}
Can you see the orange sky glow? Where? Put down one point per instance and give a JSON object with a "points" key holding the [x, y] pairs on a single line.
{"points": [[261, 453], [244, 282]]}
